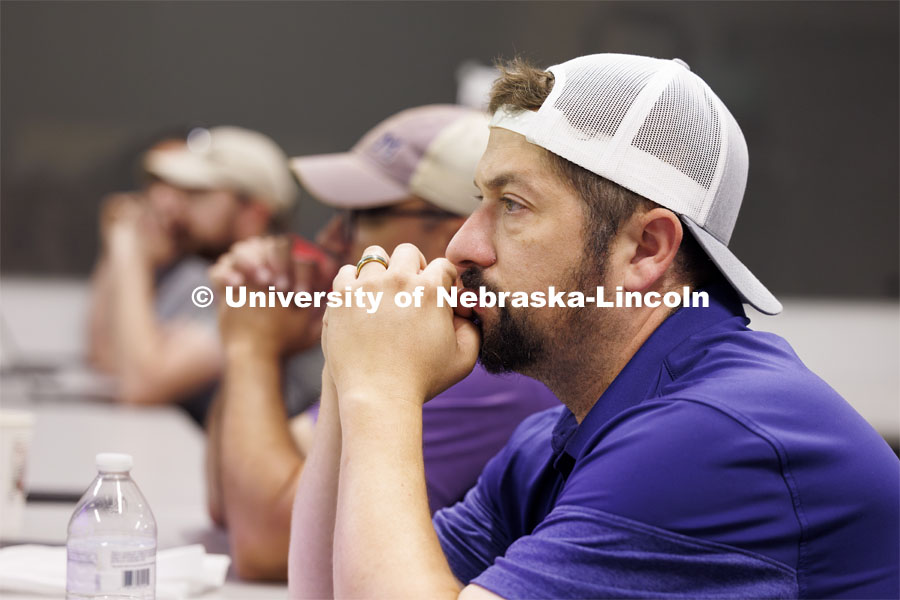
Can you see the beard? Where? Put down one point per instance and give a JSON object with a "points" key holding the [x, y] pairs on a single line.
{"points": [[210, 251], [514, 343], [213, 245], [521, 342]]}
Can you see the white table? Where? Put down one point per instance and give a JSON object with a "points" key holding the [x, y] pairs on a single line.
{"points": [[168, 451]]}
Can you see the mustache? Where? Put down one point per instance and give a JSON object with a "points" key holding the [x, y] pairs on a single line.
{"points": [[473, 278]]}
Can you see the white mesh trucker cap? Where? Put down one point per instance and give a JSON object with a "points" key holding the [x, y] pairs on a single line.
{"points": [[655, 128], [429, 151], [229, 158]]}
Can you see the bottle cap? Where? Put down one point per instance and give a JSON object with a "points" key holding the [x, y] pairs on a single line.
{"points": [[113, 462]]}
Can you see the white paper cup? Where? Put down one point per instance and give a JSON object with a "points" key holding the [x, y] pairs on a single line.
{"points": [[16, 428]]}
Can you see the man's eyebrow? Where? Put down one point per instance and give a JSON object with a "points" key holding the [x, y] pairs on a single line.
{"points": [[503, 179]]}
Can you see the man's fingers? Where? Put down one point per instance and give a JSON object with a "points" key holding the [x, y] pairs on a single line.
{"points": [[442, 272], [278, 258], [468, 341], [250, 259], [407, 258], [346, 277], [217, 272], [308, 276], [372, 266], [303, 274], [224, 274], [264, 261], [119, 201]]}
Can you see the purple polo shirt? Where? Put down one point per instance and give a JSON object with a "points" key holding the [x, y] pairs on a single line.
{"points": [[467, 424], [715, 465]]}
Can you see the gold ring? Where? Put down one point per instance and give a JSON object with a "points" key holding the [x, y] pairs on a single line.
{"points": [[370, 258]]}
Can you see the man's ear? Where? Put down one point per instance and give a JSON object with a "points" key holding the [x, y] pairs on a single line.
{"points": [[655, 237]]}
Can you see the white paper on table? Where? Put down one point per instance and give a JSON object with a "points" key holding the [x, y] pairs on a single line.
{"points": [[180, 572]]}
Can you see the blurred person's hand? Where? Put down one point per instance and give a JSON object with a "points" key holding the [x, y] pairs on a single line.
{"points": [[258, 264], [116, 209], [129, 224], [398, 353]]}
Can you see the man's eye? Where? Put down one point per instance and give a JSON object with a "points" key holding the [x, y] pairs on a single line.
{"points": [[510, 205]]}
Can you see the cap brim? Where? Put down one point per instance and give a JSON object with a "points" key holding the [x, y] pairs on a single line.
{"points": [[182, 168], [346, 180], [741, 279]]}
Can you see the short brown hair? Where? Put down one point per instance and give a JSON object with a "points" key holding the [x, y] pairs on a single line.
{"points": [[522, 85]]}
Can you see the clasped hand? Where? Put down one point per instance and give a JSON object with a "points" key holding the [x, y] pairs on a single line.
{"points": [[258, 263], [397, 353]]}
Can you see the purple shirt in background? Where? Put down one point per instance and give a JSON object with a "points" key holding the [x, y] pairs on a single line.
{"points": [[468, 424]]}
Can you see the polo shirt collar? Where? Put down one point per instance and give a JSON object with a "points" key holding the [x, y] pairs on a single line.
{"points": [[640, 376]]}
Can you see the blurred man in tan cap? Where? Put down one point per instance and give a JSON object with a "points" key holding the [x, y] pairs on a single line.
{"points": [[201, 195], [408, 180]]}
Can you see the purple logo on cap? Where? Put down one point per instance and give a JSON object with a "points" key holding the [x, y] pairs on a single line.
{"points": [[386, 147]]}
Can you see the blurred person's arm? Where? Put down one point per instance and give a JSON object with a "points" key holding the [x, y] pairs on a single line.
{"points": [[302, 429], [259, 461], [254, 459], [213, 427], [157, 362], [101, 351]]}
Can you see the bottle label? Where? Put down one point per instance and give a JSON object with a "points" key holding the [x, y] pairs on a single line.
{"points": [[109, 567]]}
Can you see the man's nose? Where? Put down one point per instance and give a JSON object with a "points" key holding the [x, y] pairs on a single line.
{"points": [[472, 246]]}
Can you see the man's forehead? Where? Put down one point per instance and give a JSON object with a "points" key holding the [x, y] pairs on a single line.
{"points": [[511, 160]]}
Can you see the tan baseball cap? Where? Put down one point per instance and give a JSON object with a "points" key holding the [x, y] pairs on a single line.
{"points": [[229, 158], [429, 151]]}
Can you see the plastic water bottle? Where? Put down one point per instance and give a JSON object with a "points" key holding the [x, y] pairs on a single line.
{"points": [[111, 548]]}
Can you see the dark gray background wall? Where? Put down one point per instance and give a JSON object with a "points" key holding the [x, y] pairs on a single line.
{"points": [[84, 85]]}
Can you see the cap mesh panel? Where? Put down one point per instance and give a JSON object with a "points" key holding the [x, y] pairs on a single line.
{"points": [[683, 130], [597, 97]]}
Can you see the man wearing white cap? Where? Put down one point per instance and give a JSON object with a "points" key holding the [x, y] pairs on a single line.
{"points": [[408, 180], [692, 456], [203, 194]]}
